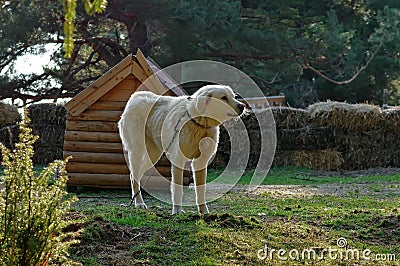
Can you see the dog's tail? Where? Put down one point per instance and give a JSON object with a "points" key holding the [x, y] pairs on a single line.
{"points": [[124, 140]]}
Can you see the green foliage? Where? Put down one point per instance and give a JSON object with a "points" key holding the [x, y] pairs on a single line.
{"points": [[70, 13], [270, 40], [91, 8], [32, 207]]}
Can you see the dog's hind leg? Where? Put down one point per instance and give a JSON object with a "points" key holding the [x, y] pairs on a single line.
{"points": [[136, 174], [146, 154]]}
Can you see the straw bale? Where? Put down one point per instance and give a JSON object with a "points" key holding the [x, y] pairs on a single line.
{"points": [[220, 159], [49, 134], [372, 139], [392, 118], [352, 117], [325, 160], [47, 154], [307, 138], [9, 135], [49, 146], [369, 158], [282, 158], [9, 114], [289, 118], [47, 113]]}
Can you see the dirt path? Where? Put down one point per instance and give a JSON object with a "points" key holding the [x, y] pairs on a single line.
{"points": [[378, 190]]}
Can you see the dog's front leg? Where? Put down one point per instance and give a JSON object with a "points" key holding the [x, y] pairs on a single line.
{"points": [[200, 188], [177, 189]]}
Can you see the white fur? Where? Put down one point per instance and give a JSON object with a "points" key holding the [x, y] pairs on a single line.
{"points": [[150, 124]]}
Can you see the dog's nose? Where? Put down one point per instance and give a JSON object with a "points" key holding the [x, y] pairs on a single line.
{"points": [[241, 107]]}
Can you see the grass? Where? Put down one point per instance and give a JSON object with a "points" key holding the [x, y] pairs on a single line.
{"points": [[291, 175], [364, 210], [303, 211]]}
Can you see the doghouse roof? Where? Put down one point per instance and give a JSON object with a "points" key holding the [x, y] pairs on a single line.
{"points": [[140, 67]]}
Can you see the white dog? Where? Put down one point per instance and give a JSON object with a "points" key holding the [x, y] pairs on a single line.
{"points": [[185, 128]]}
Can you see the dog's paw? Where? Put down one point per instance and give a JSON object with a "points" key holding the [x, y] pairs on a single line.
{"points": [[141, 205], [203, 209], [177, 210]]}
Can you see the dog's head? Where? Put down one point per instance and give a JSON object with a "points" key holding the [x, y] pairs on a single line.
{"points": [[217, 102]]}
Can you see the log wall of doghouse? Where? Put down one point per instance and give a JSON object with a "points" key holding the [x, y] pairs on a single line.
{"points": [[93, 142]]}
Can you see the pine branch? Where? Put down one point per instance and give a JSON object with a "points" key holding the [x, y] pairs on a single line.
{"points": [[325, 77]]}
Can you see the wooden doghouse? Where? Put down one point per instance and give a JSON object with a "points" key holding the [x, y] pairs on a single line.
{"points": [[92, 137]]}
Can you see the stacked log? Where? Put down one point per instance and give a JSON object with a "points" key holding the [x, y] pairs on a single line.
{"points": [[93, 143]]}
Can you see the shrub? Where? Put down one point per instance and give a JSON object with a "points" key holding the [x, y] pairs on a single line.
{"points": [[32, 207]]}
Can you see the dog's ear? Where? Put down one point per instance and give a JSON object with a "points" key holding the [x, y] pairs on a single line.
{"points": [[201, 102]]}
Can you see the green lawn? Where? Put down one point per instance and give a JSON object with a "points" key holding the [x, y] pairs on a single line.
{"points": [[296, 212]]}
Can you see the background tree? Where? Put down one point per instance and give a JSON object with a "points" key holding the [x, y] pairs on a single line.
{"points": [[309, 50]]}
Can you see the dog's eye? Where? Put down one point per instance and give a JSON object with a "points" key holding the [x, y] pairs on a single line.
{"points": [[224, 98]]}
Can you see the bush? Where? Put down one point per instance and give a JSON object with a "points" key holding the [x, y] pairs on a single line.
{"points": [[32, 207]]}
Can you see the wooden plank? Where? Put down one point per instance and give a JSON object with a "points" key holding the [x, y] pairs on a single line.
{"points": [[108, 105], [157, 86], [105, 157], [97, 115], [99, 180], [138, 72], [122, 91], [119, 181], [99, 82], [92, 136], [99, 126], [95, 157], [80, 146], [165, 79], [97, 168], [121, 95], [113, 168], [99, 92]]}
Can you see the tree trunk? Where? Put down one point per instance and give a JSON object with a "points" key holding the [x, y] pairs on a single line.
{"points": [[138, 36], [128, 13]]}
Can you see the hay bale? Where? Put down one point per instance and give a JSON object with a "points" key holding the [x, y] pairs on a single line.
{"points": [[220, 160], [368, 158], [382, 138], [47, 154], [251, 121], [9, 114], [282, 158], [49, 146], [351, 117], [9, 135], [49, 134], [307, 138], [325, 160], [47, 113], [289, 118], [392, 118], [359, 139]]}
